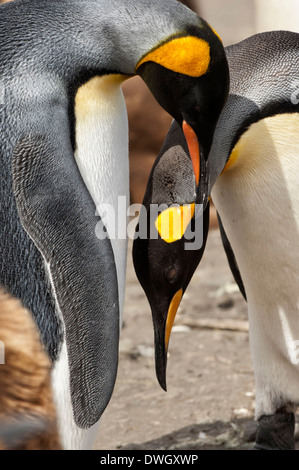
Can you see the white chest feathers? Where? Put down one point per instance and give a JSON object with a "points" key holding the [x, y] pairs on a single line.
{"points": [[257, 197], [102, 157]]}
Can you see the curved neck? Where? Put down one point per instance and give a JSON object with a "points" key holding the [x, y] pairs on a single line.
{"points": [[87, 35]]}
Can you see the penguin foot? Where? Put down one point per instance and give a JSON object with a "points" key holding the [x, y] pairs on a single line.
{"points": [[276, 432]]}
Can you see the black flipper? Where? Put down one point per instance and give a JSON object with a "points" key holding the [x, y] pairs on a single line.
{"points": [[231, 258], [58, 213]]}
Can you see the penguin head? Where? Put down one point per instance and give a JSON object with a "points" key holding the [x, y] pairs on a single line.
{"points": [[189, 77], [170, 238]]}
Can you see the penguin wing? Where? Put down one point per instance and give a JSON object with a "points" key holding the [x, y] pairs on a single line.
{"points": [[58, 213], [231, 258]]}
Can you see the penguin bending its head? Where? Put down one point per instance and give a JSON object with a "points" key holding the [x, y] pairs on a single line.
{"points": [[252, 172], [64, 163]]}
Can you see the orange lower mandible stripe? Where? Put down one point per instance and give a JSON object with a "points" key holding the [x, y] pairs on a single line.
{"points": [[173, 308], [193, 147]]}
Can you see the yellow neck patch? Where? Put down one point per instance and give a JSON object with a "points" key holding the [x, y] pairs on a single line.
{"points": [[173, 222], [188, 56], [233, 157], [255, 144], [216, 34], [96, 92]]}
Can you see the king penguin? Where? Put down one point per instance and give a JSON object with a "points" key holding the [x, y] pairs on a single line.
{"points": [[253, 167], [64, 159]]}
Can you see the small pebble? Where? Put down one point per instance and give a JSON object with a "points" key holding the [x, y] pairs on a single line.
{"points": [[180, 329], [146, 351], [241, 412], [229, 303]]}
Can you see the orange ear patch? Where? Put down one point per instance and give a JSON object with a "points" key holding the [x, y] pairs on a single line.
{"points": [[188, 55], [173, 222]]}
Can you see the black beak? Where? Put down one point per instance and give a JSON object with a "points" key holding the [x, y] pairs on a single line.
{"points": [[160, 357], [162, 336], [164, 315]]}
